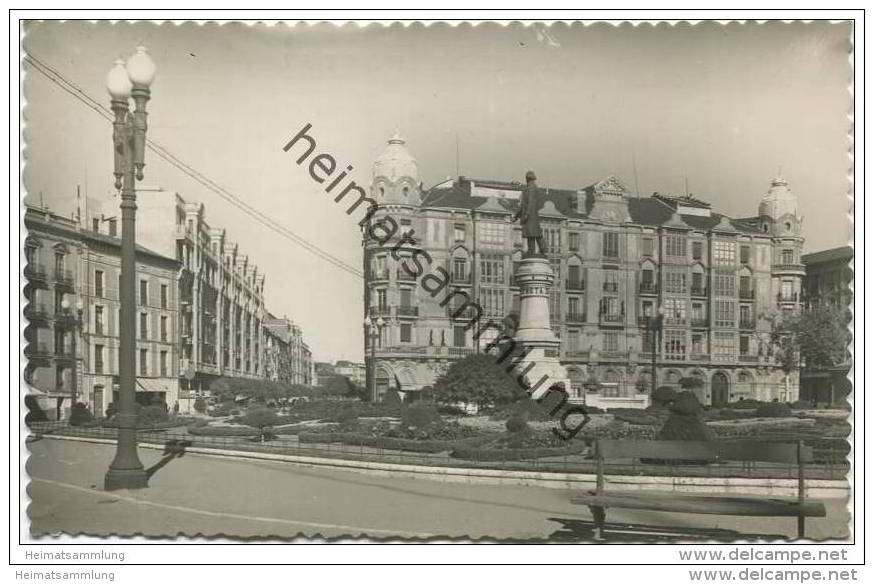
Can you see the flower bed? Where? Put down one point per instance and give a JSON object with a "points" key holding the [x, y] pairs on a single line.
{"points": [[388, 443]]}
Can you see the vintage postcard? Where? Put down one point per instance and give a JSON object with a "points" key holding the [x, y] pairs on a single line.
{"points": [[568, 282]]}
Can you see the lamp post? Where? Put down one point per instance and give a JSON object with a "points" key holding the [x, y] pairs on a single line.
{"points": [[654, 323], [126, 80], [372, 329], [70, 323]]}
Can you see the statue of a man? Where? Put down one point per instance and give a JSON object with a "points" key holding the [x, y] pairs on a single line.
{"points": [[528, 215]]}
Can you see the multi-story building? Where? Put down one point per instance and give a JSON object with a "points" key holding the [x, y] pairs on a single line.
{"points": [[827, 281], [287, 356], [355, 372], [221, 292], [619, 260], [68, 356]]}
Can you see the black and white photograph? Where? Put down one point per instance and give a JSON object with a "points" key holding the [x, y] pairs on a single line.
{"points": [[516, 282]]}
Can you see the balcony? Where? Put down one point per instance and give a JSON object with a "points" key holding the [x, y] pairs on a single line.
{"points": [[408, 311], [746, 294], [460, 351], [575, 317], [649, 288], [793, 297], [37, 312], [461, 312], [576, 354], [645, 320], [35, 272], [182, 231], [380, 310], [699, 357], [460, 279], [699, 291], [378, 274], [611, 320], [403, 276], [612, 287], [700, 323], [577, 286], [37, 351], [64, 278], [612, 355], [747, 324], [748, 358], [788, 267]]}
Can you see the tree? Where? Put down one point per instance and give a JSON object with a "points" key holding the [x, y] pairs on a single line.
{"points": [[260, 418], [819, 335], [477, 379]]}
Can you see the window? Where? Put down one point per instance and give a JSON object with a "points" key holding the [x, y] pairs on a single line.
{"points": [[786, 289], [164, 295], [746, 287], [611, 281], [573, 340], [59, 264], [573, 277], [113, 228], [144, 326], [723, 285], [406, 298], [675, 246], [611, 245], [675, 282], [723, 252], [744, 345], [552, 239], [460, 232], [724, 347], [646, 277], [647, 309], [573, 241], [492, 233], [95, 224], [697, 250], [611, 306], [675, 311], [723, 313], [459, 336], [492, 302], [573, 306], [98, 283], [98, 359], [698, 313], [98, 320], [406, 333], [491, 269], [459, 269], [647, 247], [699, 344], [697, 283], [745, 254], [787, 256], [164, 329], [647, 340], [381, 299], [144, 293], [611, 342], [144, 366], [30, 254], [163, 363], [675, 345]]}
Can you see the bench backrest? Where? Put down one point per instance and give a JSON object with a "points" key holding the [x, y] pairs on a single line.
{"points": [[740, 450]]}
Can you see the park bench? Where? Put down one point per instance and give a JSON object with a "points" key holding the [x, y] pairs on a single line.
{"points": [[678, 452]]}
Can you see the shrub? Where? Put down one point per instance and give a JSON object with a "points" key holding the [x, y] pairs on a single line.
{"points": [[80, 415], [261, 418], [224, 409], [111, 410], [151, 415], [450, 410], [509, 454], [802, 405], [392, 398], [635, 417], [747, 404], [222, 431], [35, 413], [420, 415], [354, 439], [199, 405], [517, 424], [774, 410], [663, 395]]}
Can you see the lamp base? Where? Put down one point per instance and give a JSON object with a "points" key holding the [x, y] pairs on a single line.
{"points": [[125, 479]]}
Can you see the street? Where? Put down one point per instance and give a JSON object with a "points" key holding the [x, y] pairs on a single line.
{"points": [[206, 495]]}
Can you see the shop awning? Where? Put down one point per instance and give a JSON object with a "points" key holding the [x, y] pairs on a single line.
{"points": [[155, 384]]}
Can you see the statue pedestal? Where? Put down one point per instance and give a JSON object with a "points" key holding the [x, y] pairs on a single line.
{"points": [[541, 366]]}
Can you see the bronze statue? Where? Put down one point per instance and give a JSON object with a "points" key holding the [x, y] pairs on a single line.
{"points": [[529, 206]]}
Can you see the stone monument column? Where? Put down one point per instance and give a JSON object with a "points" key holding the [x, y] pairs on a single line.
{"points": [[541, 367]]}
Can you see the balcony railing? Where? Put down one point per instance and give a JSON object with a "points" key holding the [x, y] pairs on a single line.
{"points": [[699, 291], [379, 274], [461, 312], [649, 288], [64, 277], [793, 297], [463, 279], [746, 294], [408, 311], [403, 276], [748, 358], [611, 287], [35, 272], [788, 267], [747, 323], [611, 355], [576, 354], [699, 357], [610, 319], [572, 285], [700, 323], [38, 350], [380, 310], [575, 317], [460, 351]]}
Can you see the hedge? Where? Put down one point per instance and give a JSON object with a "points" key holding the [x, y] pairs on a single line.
{"points": [[510, 454], [405, 444], [223, 431]]}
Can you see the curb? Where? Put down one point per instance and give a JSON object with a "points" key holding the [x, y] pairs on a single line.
{"points": [[823, 488]]}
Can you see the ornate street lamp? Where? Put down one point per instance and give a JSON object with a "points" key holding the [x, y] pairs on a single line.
{"points": [[70, 323], [372, 329], [126, 80], [655, 323]]}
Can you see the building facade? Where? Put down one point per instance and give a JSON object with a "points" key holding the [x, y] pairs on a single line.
{"points": [[73, 346], [287, 357], [827, 280], [446, 270], [355, 372]]}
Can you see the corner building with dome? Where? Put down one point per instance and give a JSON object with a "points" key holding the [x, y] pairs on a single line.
{"points": [[619, 259]]}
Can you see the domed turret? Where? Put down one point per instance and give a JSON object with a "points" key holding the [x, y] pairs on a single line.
{"points": [[396, 175], [779, 200]]}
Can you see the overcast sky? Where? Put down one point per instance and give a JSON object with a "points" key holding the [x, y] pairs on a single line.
{"points": [[722, 107]]}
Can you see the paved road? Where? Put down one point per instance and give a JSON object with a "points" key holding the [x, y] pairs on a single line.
{"points": [[201, 494]]}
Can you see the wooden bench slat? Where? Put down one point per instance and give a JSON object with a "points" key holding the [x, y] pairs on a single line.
{"points": [[713, 505], [738, 450]]}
